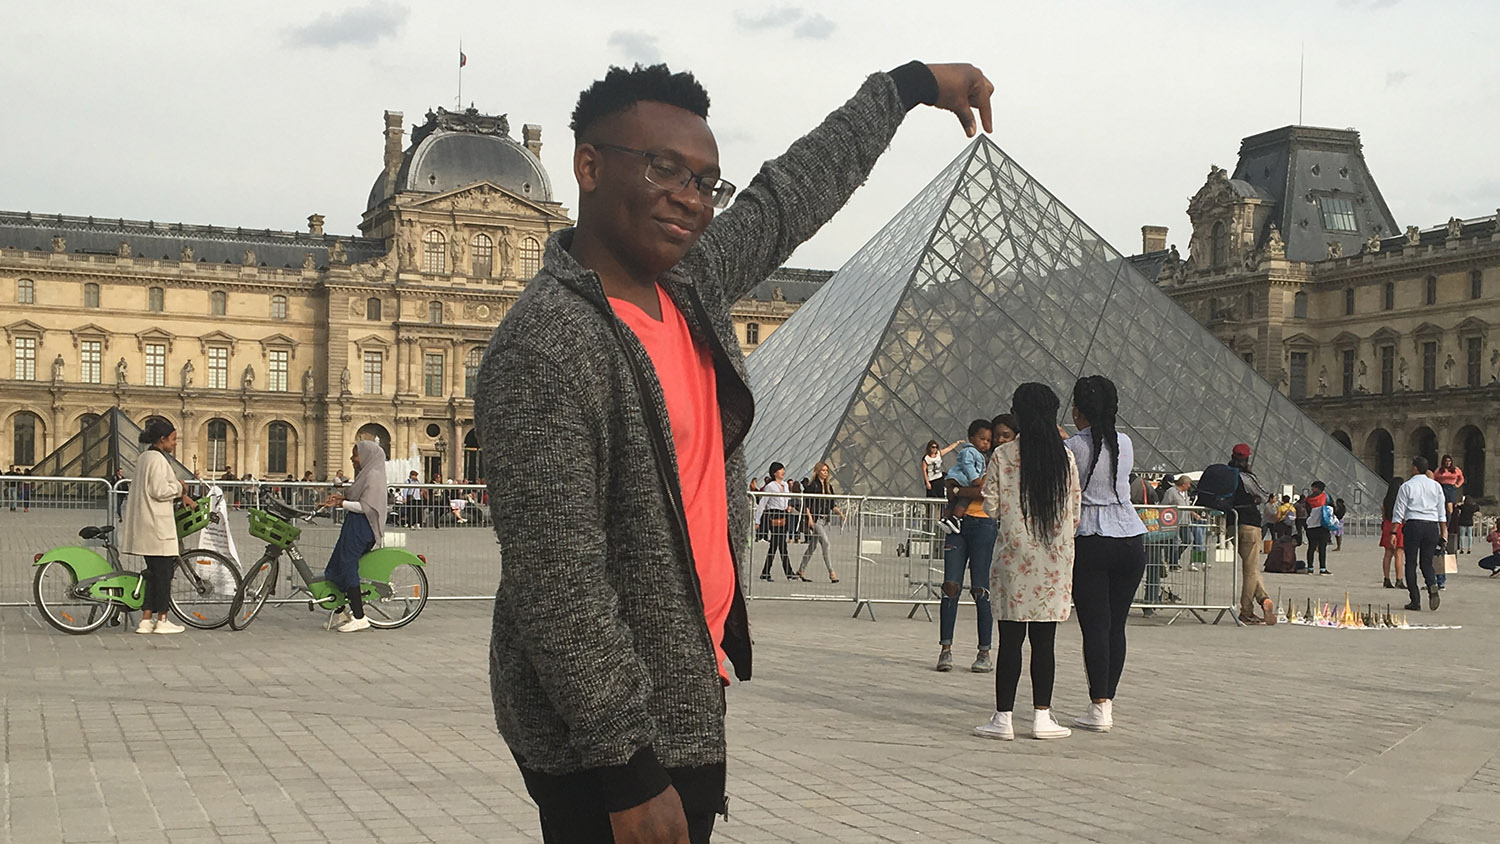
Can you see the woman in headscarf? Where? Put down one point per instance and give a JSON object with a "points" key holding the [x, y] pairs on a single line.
{"points": [[150, 528], [366, 496]]}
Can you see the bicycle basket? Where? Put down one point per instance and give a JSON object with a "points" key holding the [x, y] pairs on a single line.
{"points": [[273, 529], [191, 521]]}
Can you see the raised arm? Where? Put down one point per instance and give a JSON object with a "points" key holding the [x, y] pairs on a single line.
{"points": [[796, 193], [553, 589]]}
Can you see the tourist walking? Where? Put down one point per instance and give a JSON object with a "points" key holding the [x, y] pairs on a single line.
{"points": [[365, 499], [968, 548], [149, 528], [1393, 560], [818, 510], [619, 601], [1420, 512], [1110, 549], [1464, 514], [1031, 485], [776, 502]]}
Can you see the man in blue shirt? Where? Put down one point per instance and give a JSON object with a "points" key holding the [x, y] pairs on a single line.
{"points": [[1421, 513]]}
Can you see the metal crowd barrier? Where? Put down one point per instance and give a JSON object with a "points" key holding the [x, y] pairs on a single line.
{"points": [[38, 513]]}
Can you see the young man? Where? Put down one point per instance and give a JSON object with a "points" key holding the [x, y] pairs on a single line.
{"points": [[611, 403], [1318, 533], [965, 472]]}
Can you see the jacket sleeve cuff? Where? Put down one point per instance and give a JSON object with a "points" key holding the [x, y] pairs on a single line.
{"points": [[633, 783], [915, 85]]}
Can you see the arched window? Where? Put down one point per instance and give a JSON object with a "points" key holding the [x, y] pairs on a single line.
{"points": [[156, 300], [1390, 295], [376, 433], [218, 445], [1348, 301], [23, 440], [218, 303], [25, 291], [435, 253], [91, 295], [471, 369], [435, 313], [484, 256], [1219, 245], [752, 333], [278, 306], [1299, 305], [372, 309], [277, 437], [529, 258]]}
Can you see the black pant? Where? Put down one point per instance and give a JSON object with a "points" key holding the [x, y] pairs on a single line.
{"points": [[572, 813], [1106, 572], [159, 571], [778, 542], [1043, 662], [1421, 540], [1317, 546]]}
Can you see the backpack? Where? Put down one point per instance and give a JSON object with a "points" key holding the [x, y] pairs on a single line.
{"points": [[1217, 486], [1330, 521]]}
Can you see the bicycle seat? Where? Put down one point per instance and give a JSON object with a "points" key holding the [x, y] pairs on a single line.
{"points": [[92, 532], [287, 511]]}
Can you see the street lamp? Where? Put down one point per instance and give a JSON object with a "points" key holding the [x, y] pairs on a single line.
{"points": [[442, 449]]}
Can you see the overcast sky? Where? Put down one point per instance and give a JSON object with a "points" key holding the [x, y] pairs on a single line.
{"points": [[258, 114]]}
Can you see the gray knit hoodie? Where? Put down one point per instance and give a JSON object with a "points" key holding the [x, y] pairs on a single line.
{"points": [[600, 658]]}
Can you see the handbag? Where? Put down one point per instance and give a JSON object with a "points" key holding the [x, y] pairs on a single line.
{"points": [[1445, 564]]}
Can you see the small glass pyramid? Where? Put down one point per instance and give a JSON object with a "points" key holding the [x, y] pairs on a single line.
{"points": [[984, 281]]}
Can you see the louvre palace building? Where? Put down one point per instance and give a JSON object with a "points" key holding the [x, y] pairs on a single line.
{"points": [[273, 351], [1388, 335]]}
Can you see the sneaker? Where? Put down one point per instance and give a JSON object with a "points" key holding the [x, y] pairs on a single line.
{"points": [[999, 727], [1046, 728], [354, 625], [945, 660], [165, 625], [1268, 611], [982, 663], [338, 620], [147, 625], [1099, 718], [949, 524], [1433, 598]]}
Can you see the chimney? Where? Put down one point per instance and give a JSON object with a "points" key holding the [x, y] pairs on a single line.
{"points": [[315, 224], [531, 135], [1153, 238], [392, 150]]}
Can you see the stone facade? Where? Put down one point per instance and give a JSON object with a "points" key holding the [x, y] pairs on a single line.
{"points": [[272, 352], [1386, 344]]}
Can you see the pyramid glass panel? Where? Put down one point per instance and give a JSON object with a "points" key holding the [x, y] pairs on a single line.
{"points": [[984, 281]]}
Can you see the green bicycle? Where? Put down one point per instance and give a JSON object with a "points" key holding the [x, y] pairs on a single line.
{"points": [[78, 590], [392, 580]]}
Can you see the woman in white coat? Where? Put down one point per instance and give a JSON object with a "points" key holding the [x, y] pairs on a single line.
{"points": [[1031, 487], [150, 528]]}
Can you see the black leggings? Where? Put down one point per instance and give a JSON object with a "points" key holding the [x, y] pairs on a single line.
{"points": [[1317, 546], [1106, 572], [778, 542], [159, 571], [1043, 662]]}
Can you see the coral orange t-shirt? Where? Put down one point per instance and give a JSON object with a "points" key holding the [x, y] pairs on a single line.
{"points": [[690, 386]]}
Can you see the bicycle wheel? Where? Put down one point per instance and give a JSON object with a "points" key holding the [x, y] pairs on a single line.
{"points": [[400, 599], [258, 587], [206, 590], [62, 607]]}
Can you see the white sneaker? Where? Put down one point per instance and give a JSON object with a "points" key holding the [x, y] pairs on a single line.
{"points": [[165, 625], [999, 727], [1044, 727], [355, 625], [148, 625], [1099, 718], [338, 620]]}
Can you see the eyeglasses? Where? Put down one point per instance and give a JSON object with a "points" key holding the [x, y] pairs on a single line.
{"points": [[673, 176]]}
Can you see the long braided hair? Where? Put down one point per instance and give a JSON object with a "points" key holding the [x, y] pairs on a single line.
{"points": [[1043, 458], [1096, 398]]}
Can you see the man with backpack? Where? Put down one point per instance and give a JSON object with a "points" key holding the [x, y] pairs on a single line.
{"points": [[1319, 527], [1232, 489]]}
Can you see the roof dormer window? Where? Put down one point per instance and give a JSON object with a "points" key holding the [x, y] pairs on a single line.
{"points": [[1338, 214]]}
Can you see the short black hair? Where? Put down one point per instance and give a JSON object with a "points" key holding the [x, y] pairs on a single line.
{"points": [[1319, 486], [978, 425], [620, 89], [1420, 464]]}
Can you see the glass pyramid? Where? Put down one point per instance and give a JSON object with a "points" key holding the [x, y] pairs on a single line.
{"points": [[105, 444], [984, 281]]}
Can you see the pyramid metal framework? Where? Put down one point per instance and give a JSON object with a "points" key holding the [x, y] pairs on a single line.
{"points": [[106, 443], [985, 281]]}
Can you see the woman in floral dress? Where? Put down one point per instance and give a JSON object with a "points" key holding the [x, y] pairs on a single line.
{"points": [[1031, 487]]}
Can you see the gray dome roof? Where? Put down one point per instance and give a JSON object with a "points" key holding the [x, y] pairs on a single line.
{"points": [[453, 150], [1249, 191]]}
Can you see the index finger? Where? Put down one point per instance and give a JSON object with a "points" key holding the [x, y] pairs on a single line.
{"points": [[986, 88]]}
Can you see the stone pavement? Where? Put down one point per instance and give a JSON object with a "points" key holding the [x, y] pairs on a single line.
{"points": [[285, 733]]}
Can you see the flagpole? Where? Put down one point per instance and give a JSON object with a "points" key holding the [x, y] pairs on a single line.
{"points": [[460, 74]]}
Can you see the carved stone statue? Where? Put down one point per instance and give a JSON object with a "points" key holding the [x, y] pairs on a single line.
{"points": [[187, 254], [307, 381], [1364, 369], [1401, 374], [57, 369], [344, 381], [120, 369], [59, 243], [1448, 366], [337, 254], [123, 249], [1323, 381], [308, 262], [1275, 246], [458, 249], [249, 258], [1413, 236], [1373, 244], [1495, 366], [187, 375], [247, 380], [409, 255], [1335, 249], [1455, 228], [505, 245]]}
